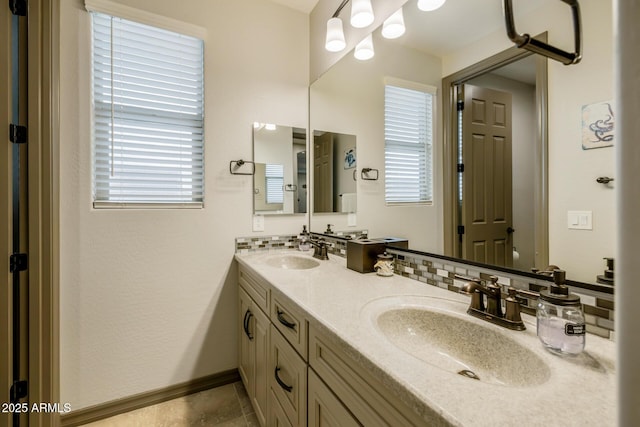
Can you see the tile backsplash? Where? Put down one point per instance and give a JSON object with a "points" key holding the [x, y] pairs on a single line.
{"points": [[266, 243]]}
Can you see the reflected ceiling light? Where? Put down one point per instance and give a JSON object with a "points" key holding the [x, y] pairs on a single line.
{"points": [[393, 27], [335, 35], [364, 49], [361, 13], [429, 5], [269, 126]]}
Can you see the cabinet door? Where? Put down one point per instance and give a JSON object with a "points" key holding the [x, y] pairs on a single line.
{"points": [[288, 379], [324, 409], [277, 417], [259, 329], [246, 353]]}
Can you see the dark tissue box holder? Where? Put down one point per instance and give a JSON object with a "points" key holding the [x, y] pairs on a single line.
{"points": [[363, 254]]}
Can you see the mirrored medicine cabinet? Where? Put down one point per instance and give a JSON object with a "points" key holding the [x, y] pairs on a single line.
{"points": [[280, 178]]}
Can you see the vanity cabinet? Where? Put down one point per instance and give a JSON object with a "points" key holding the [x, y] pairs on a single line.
{"points": [[296, 376], [253, 354]]}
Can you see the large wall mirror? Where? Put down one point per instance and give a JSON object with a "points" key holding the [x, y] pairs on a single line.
{"points": [[549, 183], [280, 179]]}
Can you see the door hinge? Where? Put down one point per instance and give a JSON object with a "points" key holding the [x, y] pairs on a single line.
{"points": [[460, 105], [18, 262], [19, 390], [460, 167], [17, 134], [18, 7], [461, 229]]}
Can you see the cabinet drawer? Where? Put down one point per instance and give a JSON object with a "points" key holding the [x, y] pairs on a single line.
{"points": [[291, 323], [364, 395], [288, 379], [257, 288], [324, 409]]}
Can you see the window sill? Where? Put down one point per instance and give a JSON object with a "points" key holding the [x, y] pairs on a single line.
{"points": [[150, 205]]}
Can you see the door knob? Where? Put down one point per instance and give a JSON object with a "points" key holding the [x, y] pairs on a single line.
{"points": [[510, 230]]}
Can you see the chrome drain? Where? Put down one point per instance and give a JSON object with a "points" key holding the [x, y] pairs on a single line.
{"points": [[469, 374]]}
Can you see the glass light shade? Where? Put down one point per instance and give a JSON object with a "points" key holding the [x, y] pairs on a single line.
{"points": [[335, 35], [429, 5], [361, 13], [393, 27], [364, 49]]}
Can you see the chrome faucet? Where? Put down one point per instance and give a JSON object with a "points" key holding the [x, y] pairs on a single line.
{"points": [[492, 310], [319, 248]]}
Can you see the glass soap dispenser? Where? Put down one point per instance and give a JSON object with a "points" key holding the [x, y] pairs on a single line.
{"points": [[560, 319]]}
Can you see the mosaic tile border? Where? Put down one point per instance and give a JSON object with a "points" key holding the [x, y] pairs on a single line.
{"points": [[266, 243], [598, 307]]}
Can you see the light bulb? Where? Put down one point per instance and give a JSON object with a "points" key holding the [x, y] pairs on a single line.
{"points": [[429, 5], [361, 13], [335, 35], [393, 27], [270, 126], [364, 49]]}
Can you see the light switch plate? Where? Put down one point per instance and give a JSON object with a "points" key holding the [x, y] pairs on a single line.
{"points": [[258, 223], [351, 220], [580, 220]]}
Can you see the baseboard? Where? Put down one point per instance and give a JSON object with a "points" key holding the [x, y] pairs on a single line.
{"points": [[137, 401]]}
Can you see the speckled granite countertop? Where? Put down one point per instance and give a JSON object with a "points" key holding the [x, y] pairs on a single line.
{"points": [[343, 304]]}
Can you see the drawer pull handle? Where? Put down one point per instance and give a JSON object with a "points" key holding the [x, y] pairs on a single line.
{"points": [[282, 384], [247, 319], [284, 321]]}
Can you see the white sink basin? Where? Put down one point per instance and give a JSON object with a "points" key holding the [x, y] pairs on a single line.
{"points": [[440, 336], [292, 262]]}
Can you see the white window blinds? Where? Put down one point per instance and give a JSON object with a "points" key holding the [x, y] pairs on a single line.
{"points": [[274, 176], [408, 126], [147, 115]]}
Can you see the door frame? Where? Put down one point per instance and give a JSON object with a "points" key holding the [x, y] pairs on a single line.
{"points": [[450, 149]]}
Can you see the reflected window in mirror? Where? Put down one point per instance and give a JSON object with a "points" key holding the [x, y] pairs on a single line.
{"points": [[280, 180], [408, 128]]}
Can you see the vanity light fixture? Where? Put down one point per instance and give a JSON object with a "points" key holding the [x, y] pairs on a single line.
{"points": [[393, 27], [361, 17], [364, 49], [429, 5], [335, 41], [361, 13]]}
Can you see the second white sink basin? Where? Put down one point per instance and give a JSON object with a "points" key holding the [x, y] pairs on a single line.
{"points": [[446, 339], [292, 262]]}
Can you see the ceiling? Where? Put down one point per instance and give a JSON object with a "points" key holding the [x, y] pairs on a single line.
{"points": [[305, 6]]}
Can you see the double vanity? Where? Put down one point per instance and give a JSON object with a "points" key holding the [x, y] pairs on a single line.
{"points": [[324, 345]]}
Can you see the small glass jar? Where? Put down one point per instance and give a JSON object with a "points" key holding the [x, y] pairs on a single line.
{"points": [[560, 320]]}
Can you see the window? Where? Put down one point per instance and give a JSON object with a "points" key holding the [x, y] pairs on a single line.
{"points": [[274, 176], [408, 129], [148, 111]]}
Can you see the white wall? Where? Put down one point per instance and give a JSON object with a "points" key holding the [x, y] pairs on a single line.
{"points": [[148, 297], [572, 170], [349, 98], [523, 119]]}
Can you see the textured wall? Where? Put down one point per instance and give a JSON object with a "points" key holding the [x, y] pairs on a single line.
{"points": [[147, 296]]}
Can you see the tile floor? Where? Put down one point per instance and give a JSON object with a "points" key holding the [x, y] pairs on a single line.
{"points": [[227, 406]]}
